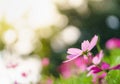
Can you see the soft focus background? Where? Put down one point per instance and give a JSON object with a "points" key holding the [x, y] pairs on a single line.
{"points": [[35, 34]]}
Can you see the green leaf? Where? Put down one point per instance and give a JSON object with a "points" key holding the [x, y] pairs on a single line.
{"points": [[113, 77], [113, 58]]}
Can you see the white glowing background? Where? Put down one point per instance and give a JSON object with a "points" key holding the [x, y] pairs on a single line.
{"points": [[26, 17], [31, 13]]}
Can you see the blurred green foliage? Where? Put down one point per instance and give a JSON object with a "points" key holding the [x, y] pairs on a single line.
{"points": [[113, 77], [82, 79], [112, 57]]}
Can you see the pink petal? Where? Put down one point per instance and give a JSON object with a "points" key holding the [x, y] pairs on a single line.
{"points": [[85, 45], [89, 60], [90, 67], [95, 78], [93, 42], [105, 66], [71, 57], [96, 69], [97, 59], [90, 73], [65, 70], [98, 78], [101, 55], [116, 67], [103, 75], [80, 62], [85, 57], [74, 51]]}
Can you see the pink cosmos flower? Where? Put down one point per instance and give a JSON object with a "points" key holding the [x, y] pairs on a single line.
{"points": [[99, 66], [103, 67], [113, 43], [86, 46]]}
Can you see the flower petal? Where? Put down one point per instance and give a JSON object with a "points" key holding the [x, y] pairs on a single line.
{"points": [[105, 66], [97, 59], [96, 69], [93, 42], [90, 73], [101, 55], [117, 67], [85, 57], [103, 75], [71, 57], [85, 45], [90, 67], [74, 51]]}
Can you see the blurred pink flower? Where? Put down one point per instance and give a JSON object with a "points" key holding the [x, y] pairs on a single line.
{"points": [[73, 67], [49, 81], [12, 65], [86, 46], [65, 70], [80, 63], [45, 61], [113, 43]]}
